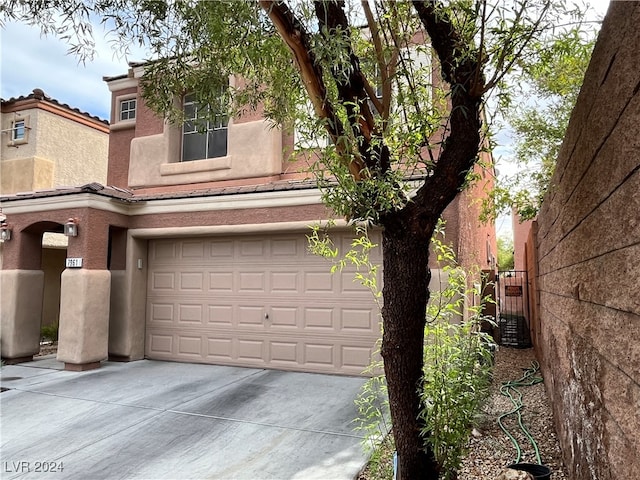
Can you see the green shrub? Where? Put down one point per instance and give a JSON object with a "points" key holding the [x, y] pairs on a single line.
{"points": [[458, 359], [49, 332]]}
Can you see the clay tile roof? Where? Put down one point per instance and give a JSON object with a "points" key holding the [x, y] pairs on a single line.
{"points": [[92, 187], [39, 94], [237, 190], [95, 188]]}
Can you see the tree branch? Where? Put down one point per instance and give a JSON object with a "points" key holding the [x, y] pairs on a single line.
{"points": [[374, 31], [297, 39], [459, 65], [351, 87]]}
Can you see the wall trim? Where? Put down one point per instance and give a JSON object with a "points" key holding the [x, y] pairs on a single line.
{"points": [[256, 200], [211, 230]]}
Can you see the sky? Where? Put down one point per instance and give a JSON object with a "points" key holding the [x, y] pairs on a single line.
{"points": [[28, 60]]}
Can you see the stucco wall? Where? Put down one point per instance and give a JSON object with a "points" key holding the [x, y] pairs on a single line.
{"points": [[58, 152], [254, 150], [473, 242], [521, 229], [78, 151], [588, 250]]}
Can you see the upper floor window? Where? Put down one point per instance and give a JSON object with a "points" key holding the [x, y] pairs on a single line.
{"points": [[17, 130], [124, 112], [204, 135], [128, 109]]}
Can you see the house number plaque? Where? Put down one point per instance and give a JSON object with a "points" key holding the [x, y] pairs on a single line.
{"points": [[74, 263]]}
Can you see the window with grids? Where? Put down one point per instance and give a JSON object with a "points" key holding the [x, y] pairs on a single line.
{"points": [[18, 130], [203, 135], [128, 109]]}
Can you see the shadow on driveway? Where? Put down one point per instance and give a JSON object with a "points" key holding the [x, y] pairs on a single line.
{"points": [[164, 420]]}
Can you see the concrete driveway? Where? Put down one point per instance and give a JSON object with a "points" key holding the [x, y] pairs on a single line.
{"points": [[161, 420]]}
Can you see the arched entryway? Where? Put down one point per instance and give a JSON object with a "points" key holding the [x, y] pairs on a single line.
{"points": [[54, 254], [23, 290]]}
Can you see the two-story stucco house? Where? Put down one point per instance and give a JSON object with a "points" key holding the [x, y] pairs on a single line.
{"points": [[196, 251]]}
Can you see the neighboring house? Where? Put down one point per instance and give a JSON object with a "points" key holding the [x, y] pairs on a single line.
{"points": [[45, 145], [521, 229], [197, 251]]}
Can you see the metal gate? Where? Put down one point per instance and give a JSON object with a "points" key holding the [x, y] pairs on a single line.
{"points": [[513, 309]]}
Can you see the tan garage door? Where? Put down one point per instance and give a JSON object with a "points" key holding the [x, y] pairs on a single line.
{"points": [[257, 300]]}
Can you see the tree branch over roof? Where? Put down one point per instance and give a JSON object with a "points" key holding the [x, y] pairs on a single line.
{"points": [[459, 64], [295, 35]]}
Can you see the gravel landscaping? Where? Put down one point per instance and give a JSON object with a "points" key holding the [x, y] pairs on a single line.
{"points": [[490, 450], [47, 348]]}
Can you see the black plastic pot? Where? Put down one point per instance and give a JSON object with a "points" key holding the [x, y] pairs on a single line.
{"points": [[539, 472]]}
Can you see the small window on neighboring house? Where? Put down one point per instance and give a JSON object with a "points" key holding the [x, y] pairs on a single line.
{"points": [[203, 135], [128, 109], [17, 130]]}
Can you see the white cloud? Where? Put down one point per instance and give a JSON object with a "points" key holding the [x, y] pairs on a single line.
{"points": [[30, 61]]}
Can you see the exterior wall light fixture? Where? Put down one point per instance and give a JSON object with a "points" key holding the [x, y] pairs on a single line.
{"points": [[71, 227], [5, 231]]}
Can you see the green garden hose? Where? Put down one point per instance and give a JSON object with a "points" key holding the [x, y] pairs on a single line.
{"points": [[510, 389]]}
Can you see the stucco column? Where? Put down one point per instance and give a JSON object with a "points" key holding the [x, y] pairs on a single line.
{"points": [[127, 322], [84, 318], [21, 312]]}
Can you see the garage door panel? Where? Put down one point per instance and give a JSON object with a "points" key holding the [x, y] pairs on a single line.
{"points": [[359, 319], [163, 281], [163, 250], [318, 318], [284, 353], [159, 343], [190, 346], [190, 314], [319, 283], [250, 316], [220, 315], [284, 318], [252, 248], [318, 355], [250, 349], [221, 282], [259, 301], [355, 357], [285, 282], [252, 282], [220, 349], [351, 285], [161, 312], [285, 247], [221, 249], [192, 249], [192, 281]]}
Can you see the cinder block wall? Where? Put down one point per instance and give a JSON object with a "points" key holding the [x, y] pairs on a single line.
{"points": [[588, 250]]}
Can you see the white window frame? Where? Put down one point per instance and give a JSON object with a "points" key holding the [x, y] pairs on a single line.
{"points": [[220, 123], [129, 108], [18, 130], [13, 139], [117, 121]]}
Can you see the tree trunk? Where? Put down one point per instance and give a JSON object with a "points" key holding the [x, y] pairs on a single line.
{"points": [[405, 293]]}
